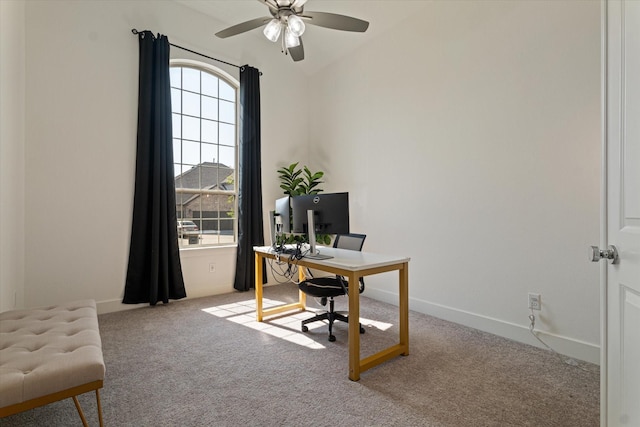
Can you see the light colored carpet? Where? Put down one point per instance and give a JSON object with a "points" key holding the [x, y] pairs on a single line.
{"points": [[206, 362]]}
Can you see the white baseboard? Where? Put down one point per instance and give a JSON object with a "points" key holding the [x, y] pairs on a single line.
{"points": [[113, 305], [564, 345]]}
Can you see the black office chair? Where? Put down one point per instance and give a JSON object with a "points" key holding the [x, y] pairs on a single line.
{"points": [[330, 287]]}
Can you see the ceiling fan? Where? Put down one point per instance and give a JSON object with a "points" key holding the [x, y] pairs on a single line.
{"points": [[288, 17]]}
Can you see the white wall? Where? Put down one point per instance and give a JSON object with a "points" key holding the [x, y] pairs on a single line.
{"points": [[12, 165], [469, 140], [81, 112]]}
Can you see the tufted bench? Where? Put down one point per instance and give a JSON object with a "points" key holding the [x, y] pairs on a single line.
{"points": [[49, 354]]}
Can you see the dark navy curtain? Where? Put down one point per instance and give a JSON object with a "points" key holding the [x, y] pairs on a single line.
{"points": [[250, 229], [154, 272]]}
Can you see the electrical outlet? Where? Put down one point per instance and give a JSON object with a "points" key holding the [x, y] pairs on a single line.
{"points": [[535, 303], [212, 267]]}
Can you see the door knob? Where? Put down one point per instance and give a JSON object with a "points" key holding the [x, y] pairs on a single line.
{"points": [[611, 253]]}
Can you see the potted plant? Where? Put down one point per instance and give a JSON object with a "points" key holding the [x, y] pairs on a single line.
{"points": [[297, 182]]}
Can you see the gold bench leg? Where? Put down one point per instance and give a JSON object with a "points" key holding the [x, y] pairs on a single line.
{"points": [[99, 407], [84, 420]]}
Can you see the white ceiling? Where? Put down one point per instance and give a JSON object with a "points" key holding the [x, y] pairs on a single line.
{"points": [[322, 46]]}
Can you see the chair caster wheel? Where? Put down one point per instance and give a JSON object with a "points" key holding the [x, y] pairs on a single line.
{"points": [[304, 328], [361, 330], [332, 338]]}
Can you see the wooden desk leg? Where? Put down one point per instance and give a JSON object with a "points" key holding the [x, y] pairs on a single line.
{"points": [[404, 307], [302, 297], [354, 327], [258, 287]]}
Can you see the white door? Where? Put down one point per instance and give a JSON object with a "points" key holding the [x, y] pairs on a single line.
{"points": [[621, 316]]}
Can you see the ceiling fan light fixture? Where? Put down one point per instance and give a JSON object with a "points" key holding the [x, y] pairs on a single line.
{"points": [[290, 39], [295, 25], [272, 30], [288, 19]]}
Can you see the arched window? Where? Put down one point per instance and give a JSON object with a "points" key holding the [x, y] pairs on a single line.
{"points": [[205, 151]]}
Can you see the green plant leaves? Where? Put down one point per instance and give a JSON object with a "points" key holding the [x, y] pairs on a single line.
{"points": [[290, 179], [311, 181], [299, 182], [294, 184]]}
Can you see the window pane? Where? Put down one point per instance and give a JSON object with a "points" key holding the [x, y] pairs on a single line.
{"points": [[209, 177], [181, 199], [175, 76], [227, 182], [226, 231], [227, 112], [209, 85], [191, 104], [226, 221], [190, 153], [176, 173], [227, 92], [227, 134], [176, 103], [191, 79], [209, 153], [178, 178], [176, 125], [177, 149], [208, 208], [209, 131], [228, 156], [189, 178], [191, 128], [209, 108]]}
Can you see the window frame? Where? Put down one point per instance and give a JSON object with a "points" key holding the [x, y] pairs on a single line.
{"points": [[235, 84]]}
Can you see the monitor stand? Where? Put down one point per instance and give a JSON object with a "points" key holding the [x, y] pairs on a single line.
{"points": [[311, 227]]}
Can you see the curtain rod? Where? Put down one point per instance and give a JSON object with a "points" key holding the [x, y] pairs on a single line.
{"points": [[134, 31]]}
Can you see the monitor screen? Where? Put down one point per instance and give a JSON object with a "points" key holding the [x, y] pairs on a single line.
{"points": [[331, 213], [283, 215]]}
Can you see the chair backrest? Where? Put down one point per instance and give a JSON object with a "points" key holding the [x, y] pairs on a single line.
{"points": [[352, 242]]}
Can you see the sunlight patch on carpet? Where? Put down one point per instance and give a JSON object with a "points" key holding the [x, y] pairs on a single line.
{"points": [[286, 327]]}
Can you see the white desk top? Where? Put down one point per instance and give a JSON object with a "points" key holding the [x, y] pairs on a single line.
{"points": [[346, 259]]}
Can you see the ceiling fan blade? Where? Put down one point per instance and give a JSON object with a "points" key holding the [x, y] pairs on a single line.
{"points": [[297, 53], [242, 27], [271, 4], [335, 21], [298, 3]]}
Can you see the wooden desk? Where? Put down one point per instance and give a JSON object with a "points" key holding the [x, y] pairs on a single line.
{"points": [[353, 265]]}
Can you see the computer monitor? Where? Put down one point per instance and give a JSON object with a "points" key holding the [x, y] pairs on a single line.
{"points": [[282, 215], [330, 213]]}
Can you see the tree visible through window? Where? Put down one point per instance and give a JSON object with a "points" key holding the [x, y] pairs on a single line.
{"points": [[204, 111]]}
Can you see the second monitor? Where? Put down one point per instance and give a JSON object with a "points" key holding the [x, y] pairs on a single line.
{"points": [[283, 220], [331, 213]]}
